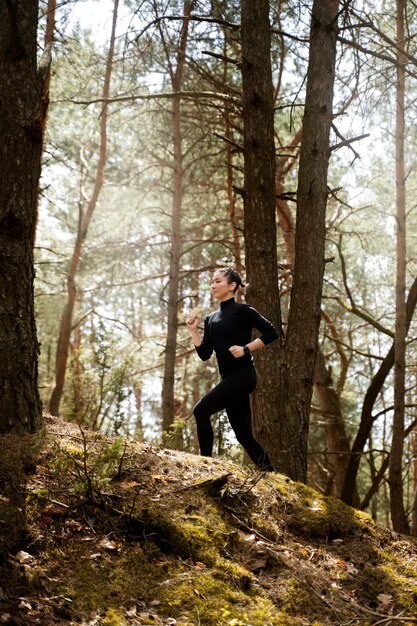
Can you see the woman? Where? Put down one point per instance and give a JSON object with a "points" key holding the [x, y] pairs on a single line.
{"points": [[227, 332]]}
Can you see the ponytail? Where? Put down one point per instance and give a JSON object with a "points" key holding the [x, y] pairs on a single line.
{"points": [[232, 276]]}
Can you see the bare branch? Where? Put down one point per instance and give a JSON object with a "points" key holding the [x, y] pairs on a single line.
{"points": [[157, 96]]}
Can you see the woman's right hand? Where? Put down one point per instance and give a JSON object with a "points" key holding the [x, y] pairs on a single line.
{"points": [[192, 322]]}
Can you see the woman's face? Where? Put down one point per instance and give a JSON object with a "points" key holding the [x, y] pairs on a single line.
{"points": [[221, 289]]}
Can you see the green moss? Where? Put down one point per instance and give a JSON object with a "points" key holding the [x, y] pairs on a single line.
{"points": [[234, 574], [114, 618], [267, 527], [195, 537], [107, 580], [207, 600], [314, 516], [302, 602]]}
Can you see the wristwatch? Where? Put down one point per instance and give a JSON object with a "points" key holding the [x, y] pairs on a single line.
{"points": [[246, 350]]}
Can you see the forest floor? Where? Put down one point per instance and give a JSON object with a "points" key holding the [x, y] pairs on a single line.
{"points": [[119, 533]]}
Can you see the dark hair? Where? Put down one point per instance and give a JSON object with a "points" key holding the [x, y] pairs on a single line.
{"points": [[232, 276]]}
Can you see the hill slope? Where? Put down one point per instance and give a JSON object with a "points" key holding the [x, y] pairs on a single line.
{"points": [[125, 534]]}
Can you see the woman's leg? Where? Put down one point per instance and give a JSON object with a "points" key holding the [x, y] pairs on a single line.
{"points": [[240, 417], [228, 389], [232, 394]]}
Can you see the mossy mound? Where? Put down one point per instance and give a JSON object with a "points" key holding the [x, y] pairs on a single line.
{"points": [[128, 535]]}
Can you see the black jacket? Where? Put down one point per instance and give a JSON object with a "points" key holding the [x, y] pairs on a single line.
{"points": [[231, 325]]}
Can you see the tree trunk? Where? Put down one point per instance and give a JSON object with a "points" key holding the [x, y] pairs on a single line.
{"points": [[168, 384], [282, 400], [299, 356], [259, 208], [328, 396], [85, 217], [395, 478], [22, 117]]}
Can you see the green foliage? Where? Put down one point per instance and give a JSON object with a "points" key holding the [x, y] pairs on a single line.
{"points": [[100, 390], [94, 465]]}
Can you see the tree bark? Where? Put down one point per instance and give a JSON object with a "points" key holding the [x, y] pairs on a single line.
{"points": [[259, 209], [395, 478], [85, 217], [168, 384], [22, 117], [282, 400], [328, 396], [299, 355]]}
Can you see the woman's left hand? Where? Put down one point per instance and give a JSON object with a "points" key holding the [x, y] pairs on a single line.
{"points": [[237, 351]]}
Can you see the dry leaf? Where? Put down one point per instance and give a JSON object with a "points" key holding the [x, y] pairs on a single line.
{"points": [[351, 569], [385, 601], [131, 612], [111, 546], [128, 484], [24, 558], [92, 557], [159, 477], [24, 604]]}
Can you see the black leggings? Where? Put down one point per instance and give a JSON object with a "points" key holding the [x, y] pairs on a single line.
{"points": [[231, 394]]}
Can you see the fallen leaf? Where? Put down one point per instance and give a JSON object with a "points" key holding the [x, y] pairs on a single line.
{"points": [[159, 477], [385, 601], [111, 546], [24, 558], [24, 604], [131, 612], [351, 569], [92, 557], [257, 563], [128, 485]]}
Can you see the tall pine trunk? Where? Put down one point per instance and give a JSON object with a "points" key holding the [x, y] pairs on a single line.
{"points": [[283, 397], [168, 385], [328, 396], [22, 117], [304, 318], [395, 478], [259, 208]]}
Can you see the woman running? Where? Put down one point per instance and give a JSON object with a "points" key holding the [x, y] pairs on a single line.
{"points": [[227, 332]]}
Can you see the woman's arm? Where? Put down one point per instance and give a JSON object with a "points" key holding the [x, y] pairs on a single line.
{"points": [[203, 345], [238, 351], [265, 327], [256, 320], [192, 325]]}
